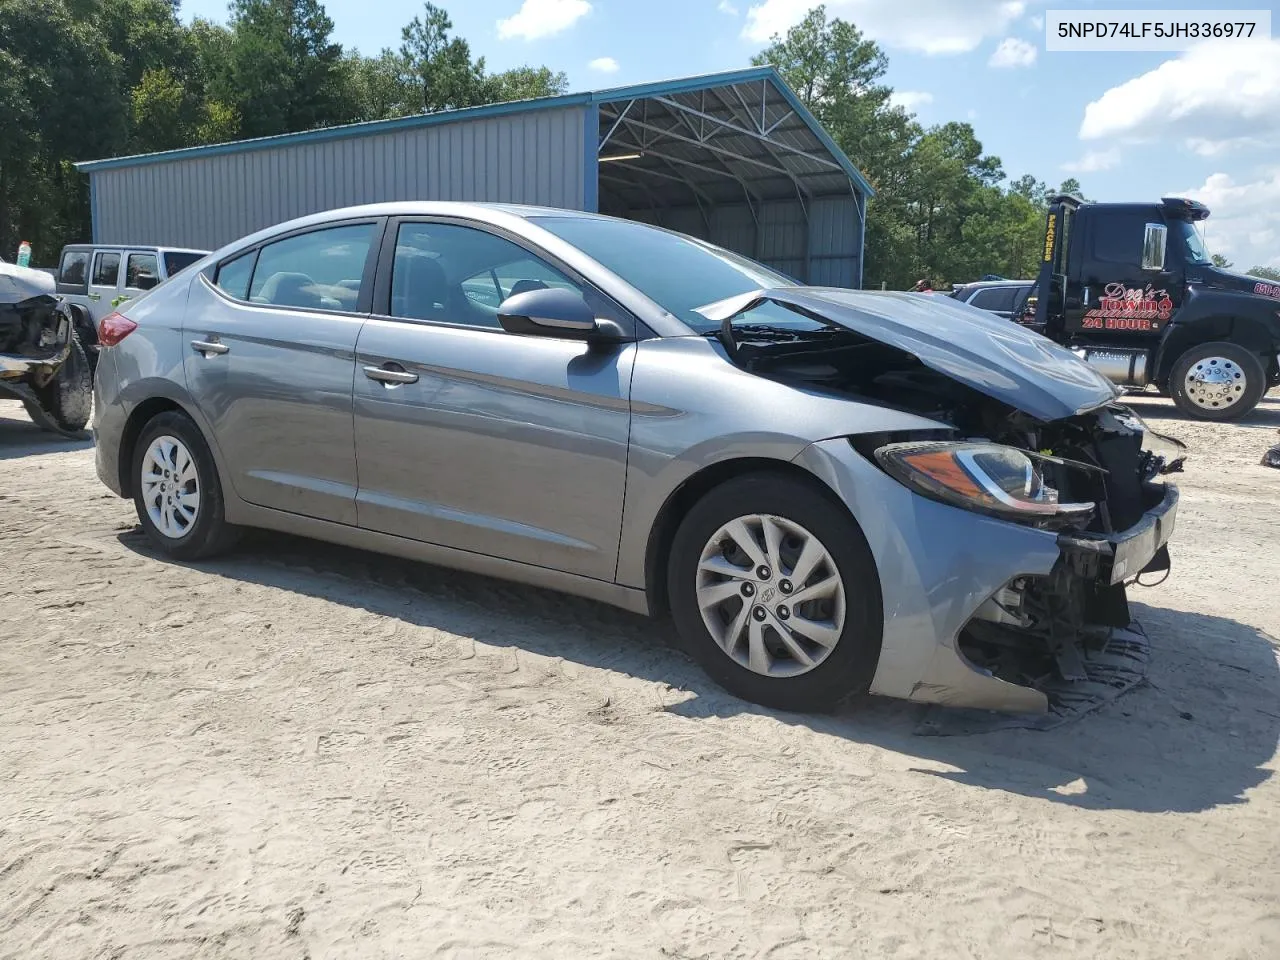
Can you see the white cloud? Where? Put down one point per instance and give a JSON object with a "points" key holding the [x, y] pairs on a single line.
{"points": [[542, 18], [909, 100], [1093, 161], [925, 26], [604, 65], [726, 7], [1013, 53], [1213, 98], [1244, 218], [1037, 22]]}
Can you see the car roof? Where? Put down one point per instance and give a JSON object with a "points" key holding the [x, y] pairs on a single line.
{"points": [[148, 248], [976, 284]]}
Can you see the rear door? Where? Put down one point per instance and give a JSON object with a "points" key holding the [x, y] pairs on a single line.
{"points": [[271, 336], [473, 438], [104, 281]]}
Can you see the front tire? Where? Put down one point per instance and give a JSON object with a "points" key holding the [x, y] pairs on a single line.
{"points": [[775, 592], [176, 490], [1217, 381], [68, 397]]}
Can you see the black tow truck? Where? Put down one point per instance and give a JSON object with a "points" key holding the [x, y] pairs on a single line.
{"points": [[1130, 288]]}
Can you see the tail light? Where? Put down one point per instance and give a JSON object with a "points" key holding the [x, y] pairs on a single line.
{"points": [[114, 328]]}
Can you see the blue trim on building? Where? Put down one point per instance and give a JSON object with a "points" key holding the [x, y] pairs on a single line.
{"points": [[591, 158], [93, 210], [590, 98]]}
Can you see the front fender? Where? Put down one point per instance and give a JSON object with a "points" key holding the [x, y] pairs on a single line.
{"points": [[692, 411], [1208, 315]]}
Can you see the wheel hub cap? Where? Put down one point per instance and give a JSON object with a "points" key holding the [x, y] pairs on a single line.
{"points": [[1215, 383], [770, 595], [170, 487]]}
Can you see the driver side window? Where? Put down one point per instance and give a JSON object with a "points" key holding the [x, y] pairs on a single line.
{"points": [[448, 273]]}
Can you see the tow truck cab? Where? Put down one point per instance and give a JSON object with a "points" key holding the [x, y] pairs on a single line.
{"points": [[1131, 289]]}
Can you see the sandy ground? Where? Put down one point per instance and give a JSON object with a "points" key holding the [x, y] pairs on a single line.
{"points": [[302, 751]]}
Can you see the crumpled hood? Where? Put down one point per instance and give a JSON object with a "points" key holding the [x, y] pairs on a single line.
{"points": [[22, 283], [992, 355]]}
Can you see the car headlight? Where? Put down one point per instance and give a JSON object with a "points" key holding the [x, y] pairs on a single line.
{"points": [[984, 477]]}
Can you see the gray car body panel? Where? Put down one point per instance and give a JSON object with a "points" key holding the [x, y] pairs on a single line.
{"points": [[549, 461], [510, 446]]}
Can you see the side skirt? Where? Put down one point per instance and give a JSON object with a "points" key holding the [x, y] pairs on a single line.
{"points": [[628, 598]]}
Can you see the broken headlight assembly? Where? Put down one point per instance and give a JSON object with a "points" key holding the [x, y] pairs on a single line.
{"points": [[987, 478]]}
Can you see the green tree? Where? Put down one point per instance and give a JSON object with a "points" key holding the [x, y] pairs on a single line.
{"points": [[839, 75], [1221, 262], [1266, 273], [60, 98], [438, 67], [284, 71], [524, 83]]}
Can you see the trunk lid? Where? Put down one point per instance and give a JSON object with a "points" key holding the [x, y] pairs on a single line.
{"points": [[994, 356]]}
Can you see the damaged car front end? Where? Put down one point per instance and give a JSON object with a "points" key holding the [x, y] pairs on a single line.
{"points": [[1008, 530], [41, 360]]}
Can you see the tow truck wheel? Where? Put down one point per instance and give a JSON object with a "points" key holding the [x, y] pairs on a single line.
{"points": [[1217, 381]]}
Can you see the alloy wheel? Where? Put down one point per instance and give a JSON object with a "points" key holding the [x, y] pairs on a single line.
{"points": [[770, 595]]}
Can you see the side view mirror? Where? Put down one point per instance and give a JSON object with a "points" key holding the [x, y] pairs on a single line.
{"points": [[555, 312], [1154, 241]]}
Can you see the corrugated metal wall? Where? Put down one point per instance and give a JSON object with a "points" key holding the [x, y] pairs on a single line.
{"points": [[204, 202], [826, 252]]}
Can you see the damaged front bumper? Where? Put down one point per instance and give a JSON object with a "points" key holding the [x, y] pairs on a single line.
{"points": [[1117, 557], [978, 612]]}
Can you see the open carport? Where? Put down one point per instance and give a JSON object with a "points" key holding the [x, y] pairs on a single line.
{"points": [[734, 158]]}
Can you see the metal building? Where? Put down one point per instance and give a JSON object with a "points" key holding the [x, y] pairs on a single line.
{"points": [[733, 158]]}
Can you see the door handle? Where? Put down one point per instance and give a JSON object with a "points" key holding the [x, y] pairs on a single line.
{"points": [[208, 347], [390, 376]]}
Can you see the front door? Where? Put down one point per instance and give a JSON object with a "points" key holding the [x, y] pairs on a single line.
{"points": [[1113, 297], [104, 282], [270, 356], [470, 437]]}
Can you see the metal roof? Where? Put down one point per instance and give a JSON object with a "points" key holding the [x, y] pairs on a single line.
{"points": [[741, 133]]}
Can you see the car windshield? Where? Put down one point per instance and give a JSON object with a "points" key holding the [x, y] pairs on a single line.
{"points": [[676, 272], [1192, 243]]}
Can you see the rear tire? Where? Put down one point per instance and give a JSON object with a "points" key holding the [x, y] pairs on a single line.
{"points": [[176, 490], [709, 573], [1217, 381]]}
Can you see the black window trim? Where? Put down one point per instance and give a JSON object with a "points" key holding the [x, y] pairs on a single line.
{"points": [[368, 279], [632, 326]]}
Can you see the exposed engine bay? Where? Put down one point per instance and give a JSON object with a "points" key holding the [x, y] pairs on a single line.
{"points": [[1037, 631]]}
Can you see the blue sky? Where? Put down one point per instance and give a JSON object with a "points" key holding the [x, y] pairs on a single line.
{"points": [[1129, 126]]}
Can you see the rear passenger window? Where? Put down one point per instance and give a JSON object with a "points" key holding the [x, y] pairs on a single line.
{"points": [[995, 298], [321, 270], [106, 269], [233, 276], [75, 265], [142, 271]]}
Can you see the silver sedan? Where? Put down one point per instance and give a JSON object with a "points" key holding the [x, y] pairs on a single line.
{"points": [[831, 491]]}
